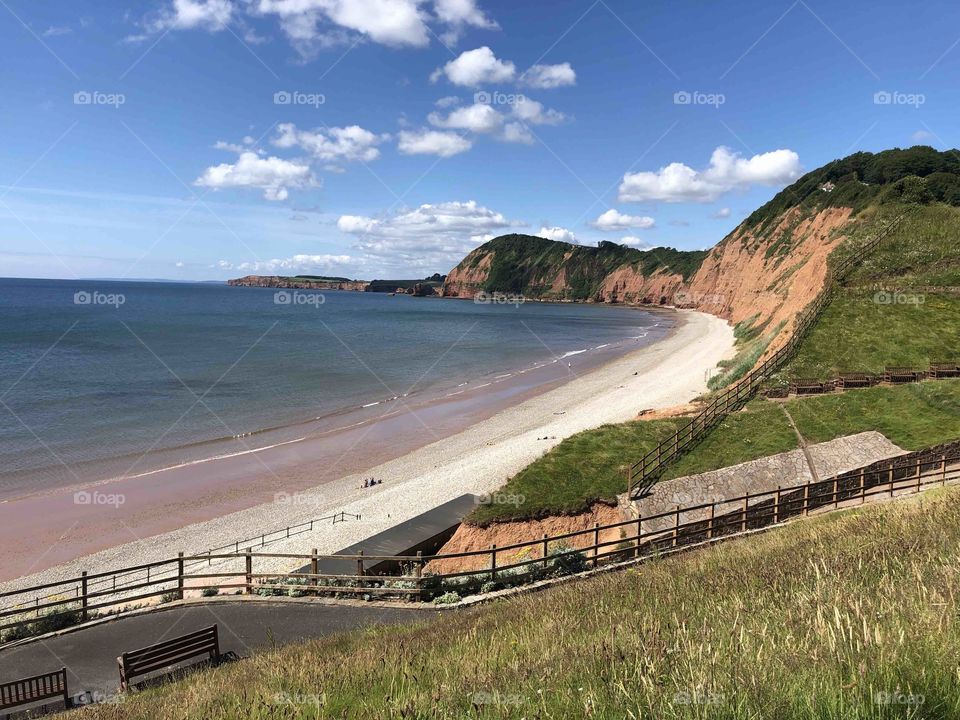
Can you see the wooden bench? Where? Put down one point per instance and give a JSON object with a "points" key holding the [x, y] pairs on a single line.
{"points": [[855, 380], [168, 653], [34, 689], [944, 370], [897, 375], [808, 386]]}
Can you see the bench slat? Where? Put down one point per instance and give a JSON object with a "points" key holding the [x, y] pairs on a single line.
{"points": [[168, 654], [165, 657], [34, 689]]}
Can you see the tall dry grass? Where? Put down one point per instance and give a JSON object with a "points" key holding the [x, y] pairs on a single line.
{"points": [[851, 615]]}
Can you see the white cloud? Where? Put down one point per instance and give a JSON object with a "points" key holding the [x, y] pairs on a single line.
{"points": [[549, 76], [722, 213], [273, 175], [311, 25], [432, 142], [56, 30], [727, 171], [458, 15], [332, 145], [477, 118], [234, 147], [516, 132], [389, 22], [476, 67], [612, 220], [533, 113], [318, 264], [210, 15], [429, 236], [635, 242], [923, 136], [447, 102], [557, 233]]}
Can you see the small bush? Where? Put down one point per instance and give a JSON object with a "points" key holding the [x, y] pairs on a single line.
{"points": [[210, 592], [563, 564], [50, 621], [448, 598]]}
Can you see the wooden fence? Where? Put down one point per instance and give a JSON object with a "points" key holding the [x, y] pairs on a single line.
{"points": [[642, 474], [680, 527], [129, 579], [890, 376]]}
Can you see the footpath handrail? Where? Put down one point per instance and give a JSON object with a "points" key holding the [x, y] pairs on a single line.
{"points": [[642, 474], [656, 533], [121, 580]]}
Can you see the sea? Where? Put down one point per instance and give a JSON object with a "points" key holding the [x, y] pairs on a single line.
{"points": [[107, 379]]}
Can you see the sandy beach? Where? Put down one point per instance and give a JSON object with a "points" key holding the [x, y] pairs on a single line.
{"points": [[478, 459]]}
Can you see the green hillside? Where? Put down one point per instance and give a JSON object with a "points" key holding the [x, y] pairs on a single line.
{"points": [[828, 618], [900, 307], [525, 264]]}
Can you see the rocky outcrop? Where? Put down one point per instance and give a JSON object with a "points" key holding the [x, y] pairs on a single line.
{"points": [[278, 281]]}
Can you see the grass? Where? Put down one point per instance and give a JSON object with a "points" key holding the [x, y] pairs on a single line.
{"points": [[858, 334], [583, 469], [589, 467], [887, 315], [912, 416], [924, 250], [828, 618], [760, 429]]}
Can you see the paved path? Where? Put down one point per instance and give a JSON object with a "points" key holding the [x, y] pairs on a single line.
{"points": [[90, 655]]}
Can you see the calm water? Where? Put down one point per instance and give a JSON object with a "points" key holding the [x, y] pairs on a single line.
{"points": [[85, 378]]}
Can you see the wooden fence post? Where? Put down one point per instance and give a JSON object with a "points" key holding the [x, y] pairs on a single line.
{"points": [[944, 469], [836, 493], [806, 499], [546, 551], [419, 570], [713, 512], [314, 567], [636, 552], [596, 543], [248, 557], [863, 486], [776, 507], [890, 475], [746, 507], [360, 563], [83, 597], [493, 562], [179, 576], [676, 527], [919, 474]]}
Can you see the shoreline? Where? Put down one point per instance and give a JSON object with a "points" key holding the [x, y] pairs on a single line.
{"points": [[543, 376], [476, 459]]}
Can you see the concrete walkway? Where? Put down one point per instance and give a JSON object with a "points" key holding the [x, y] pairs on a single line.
{"points": [[245, 627]]}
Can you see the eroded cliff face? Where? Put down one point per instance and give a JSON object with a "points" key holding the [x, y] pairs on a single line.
{"points": [[469, 538], [466, 279], [764, 279], [768, 280]]}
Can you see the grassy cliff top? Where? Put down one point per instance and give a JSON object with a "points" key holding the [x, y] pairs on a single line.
{"points": [[916, 174]]}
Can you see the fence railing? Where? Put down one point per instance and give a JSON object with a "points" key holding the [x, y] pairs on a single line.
{"points": [[406, 577], [852, 381], [642, 474], [121, 580]]}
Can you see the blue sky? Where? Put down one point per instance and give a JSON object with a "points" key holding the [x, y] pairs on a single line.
{"points": [[206, 139]]}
